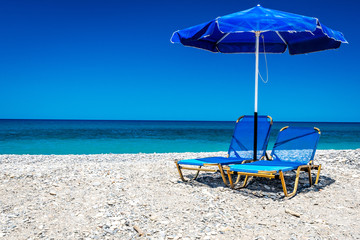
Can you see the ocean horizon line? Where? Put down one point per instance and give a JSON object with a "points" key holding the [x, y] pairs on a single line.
{"points": [[140, 120], [326, 150], [75, 136]]}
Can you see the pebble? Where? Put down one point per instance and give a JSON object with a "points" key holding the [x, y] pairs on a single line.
{"points": [[96, 184], [53, 192], [291, 212]]}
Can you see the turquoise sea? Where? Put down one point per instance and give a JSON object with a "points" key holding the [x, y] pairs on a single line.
{"points": [[93, 137]]}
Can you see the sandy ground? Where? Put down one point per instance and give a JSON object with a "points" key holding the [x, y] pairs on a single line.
{"points": [[140, 196]]}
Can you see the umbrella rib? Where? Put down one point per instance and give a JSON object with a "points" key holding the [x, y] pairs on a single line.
{"points": [[223, 37], [277, 32]]}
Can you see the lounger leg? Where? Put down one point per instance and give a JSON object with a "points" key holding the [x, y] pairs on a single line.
{"points": [[301, 168], [180, 172], [295, 184], [232, 185], [245, 182], [196, 175], [223, 175], [237, 179], [310, 178], [283, 183], [230, 179], [318, 174], [182, 176]]}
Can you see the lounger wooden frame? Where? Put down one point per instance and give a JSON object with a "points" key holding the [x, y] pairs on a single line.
{"points": [[198, 169], [215, 166], [273, 175]]}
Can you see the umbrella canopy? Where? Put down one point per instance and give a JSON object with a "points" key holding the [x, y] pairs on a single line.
{"points": [[234, 33], [240, 32]]}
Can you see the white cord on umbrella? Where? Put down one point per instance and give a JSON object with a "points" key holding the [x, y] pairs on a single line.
{"points": [[267, 72]]}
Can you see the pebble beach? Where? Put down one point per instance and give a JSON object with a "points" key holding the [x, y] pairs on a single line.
{"points": [[140, 196]]}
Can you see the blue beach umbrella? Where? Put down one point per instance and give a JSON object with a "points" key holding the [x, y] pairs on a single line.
{"points": [[240, 32]]}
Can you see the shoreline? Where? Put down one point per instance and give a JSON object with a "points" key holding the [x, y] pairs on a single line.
{"points": [[123, 196], [223, 153]]}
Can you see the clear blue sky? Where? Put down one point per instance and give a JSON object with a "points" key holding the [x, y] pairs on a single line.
{"points": [[72, 59]]}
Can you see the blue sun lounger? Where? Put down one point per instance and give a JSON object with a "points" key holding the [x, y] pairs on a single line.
{"points": [[240, 150], [294, 149]]}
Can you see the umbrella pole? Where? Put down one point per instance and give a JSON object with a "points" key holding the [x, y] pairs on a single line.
{"points": [[257, 33]]}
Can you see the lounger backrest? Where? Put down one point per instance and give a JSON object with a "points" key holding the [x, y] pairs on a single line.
{"points": [[242, 142], [295, 144]]}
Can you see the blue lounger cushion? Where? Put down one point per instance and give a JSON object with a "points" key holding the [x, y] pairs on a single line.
{"points": [[255, 167], [211, 160]]}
